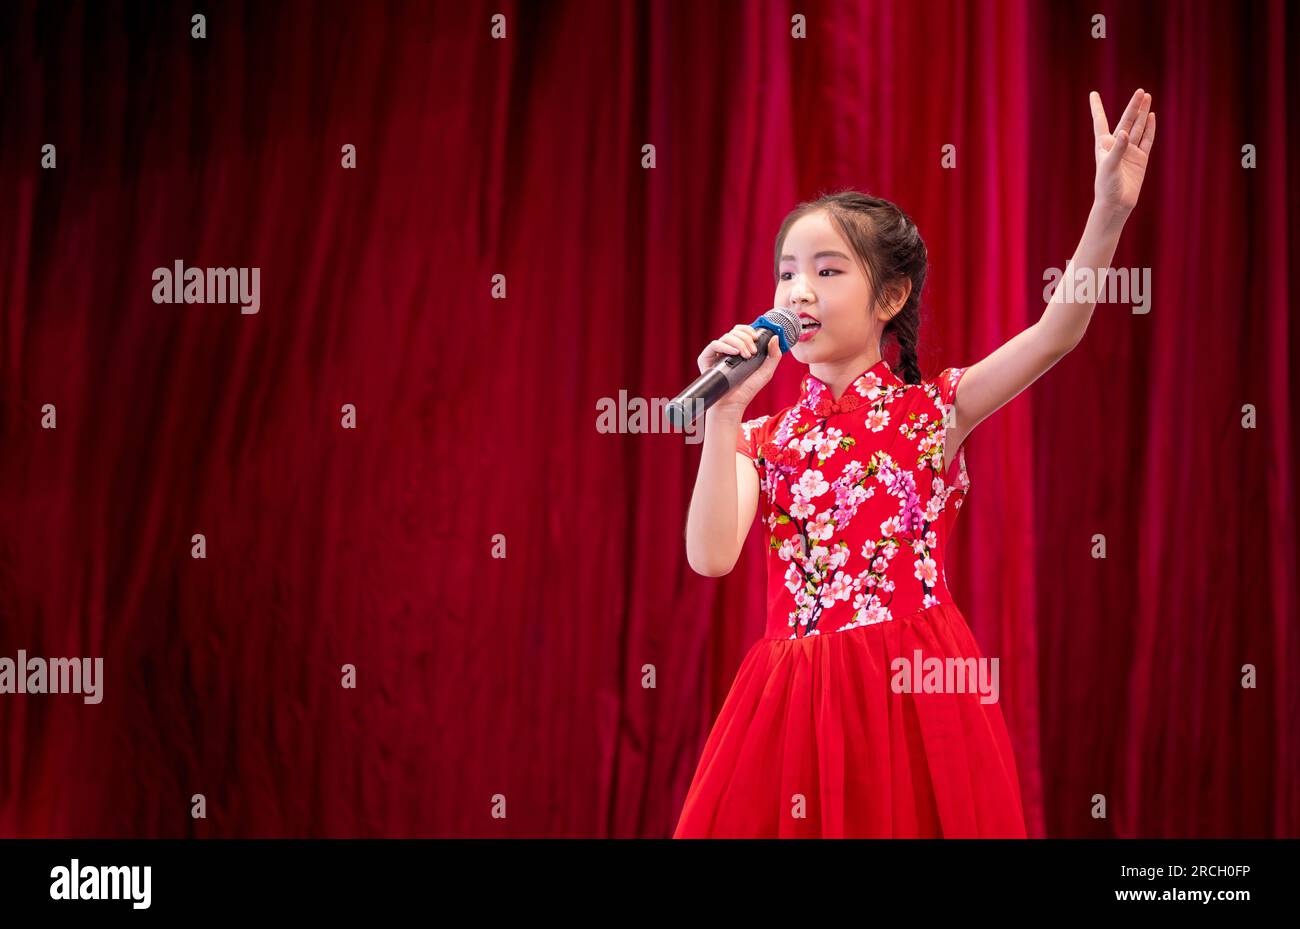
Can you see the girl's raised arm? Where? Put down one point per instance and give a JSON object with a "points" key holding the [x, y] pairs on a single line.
{"points": [[1121, 165]]}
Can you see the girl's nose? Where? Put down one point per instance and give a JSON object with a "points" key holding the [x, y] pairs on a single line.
{"points": [[800, 292]]}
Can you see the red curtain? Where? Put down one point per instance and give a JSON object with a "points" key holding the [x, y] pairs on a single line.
{"points": [[570, 684]]}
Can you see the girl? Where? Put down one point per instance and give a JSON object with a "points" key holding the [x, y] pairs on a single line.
{"points": [[821, 734]]}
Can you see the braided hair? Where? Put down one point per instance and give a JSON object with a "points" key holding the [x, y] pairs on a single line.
{"points": [[888, 243]]}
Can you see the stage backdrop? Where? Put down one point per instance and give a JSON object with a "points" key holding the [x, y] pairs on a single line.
{"points": [[442, 307]]}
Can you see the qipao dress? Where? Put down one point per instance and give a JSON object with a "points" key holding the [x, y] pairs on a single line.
{"points": [[822, 733]]}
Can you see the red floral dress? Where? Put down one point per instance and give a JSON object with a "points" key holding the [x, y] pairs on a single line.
{"points": [[821, 734]]}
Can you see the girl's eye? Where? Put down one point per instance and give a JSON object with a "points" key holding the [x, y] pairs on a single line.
{"points": [[784, 273]]}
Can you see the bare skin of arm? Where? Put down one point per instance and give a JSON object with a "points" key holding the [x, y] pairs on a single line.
{"points": [[1121, 166], [725, 498]]}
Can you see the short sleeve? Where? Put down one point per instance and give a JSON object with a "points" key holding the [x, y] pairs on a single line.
{"points": [[752, 435], [948, 380]]}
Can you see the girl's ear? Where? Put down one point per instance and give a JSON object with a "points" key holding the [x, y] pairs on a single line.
{"points": [[893, 301], [899, 294], [902, 290]]}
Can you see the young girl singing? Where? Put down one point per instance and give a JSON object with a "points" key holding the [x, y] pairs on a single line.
{"points": [[824, 732]]}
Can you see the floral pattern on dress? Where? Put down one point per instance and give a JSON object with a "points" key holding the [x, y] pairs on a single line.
{"points": [[854, 497]]}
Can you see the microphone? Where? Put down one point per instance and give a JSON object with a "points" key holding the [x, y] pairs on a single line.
{"points": [[715, 383]]}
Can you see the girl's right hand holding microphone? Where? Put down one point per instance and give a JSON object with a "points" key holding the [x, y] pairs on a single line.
{"points": [[740, 340]]}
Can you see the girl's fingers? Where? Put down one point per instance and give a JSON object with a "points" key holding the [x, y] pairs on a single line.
{"points": [[1130, 113], [739, 341], [742, 346], [1149, 134], [1099, 125], [1117, 150], [1140, 121]]}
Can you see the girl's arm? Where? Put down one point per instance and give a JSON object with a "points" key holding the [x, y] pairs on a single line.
{"points": [[1121, 165], [725, 498]]}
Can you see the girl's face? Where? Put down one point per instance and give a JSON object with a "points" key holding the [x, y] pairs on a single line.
{"points": [[819, 276]]}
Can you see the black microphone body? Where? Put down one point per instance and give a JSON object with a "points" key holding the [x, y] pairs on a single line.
{"points": [[730, 370]]}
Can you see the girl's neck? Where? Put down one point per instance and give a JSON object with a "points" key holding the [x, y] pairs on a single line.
{"points": [[840, 375]]}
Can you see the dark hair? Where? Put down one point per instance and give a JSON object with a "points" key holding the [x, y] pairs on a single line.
{"points": [[888, 243]]}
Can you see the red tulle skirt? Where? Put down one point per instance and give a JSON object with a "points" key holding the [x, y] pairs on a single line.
{"points": [[812, 741]]}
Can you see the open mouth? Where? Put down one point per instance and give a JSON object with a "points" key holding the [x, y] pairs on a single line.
{"points": [[808, 326]]}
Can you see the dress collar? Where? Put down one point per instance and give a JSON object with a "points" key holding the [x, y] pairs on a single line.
{"points": [[866, 388]]}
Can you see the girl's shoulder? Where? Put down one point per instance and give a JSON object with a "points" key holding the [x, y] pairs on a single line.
{"points": [[756, 431], [942, 388], [946, 382]]}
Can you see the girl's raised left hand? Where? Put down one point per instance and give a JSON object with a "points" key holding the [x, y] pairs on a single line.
{"points": [[1122, 157]]}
